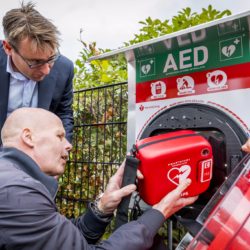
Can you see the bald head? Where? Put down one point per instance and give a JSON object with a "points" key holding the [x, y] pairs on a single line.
{"points": [[33, 119], [39, 134]]}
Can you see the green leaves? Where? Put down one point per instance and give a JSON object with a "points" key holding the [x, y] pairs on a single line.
{"points": [[210, 14], [184, 19], [114, 70], [98, 72]]}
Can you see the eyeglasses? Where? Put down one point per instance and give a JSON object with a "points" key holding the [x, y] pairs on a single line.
{"points": [[32, 64]]}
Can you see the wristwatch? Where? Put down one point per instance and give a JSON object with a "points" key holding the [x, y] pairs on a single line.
{"points": [[96, 210]]}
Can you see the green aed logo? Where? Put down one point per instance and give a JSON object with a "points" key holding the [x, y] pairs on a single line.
{"points": [[229, 27], [147, 67], [231, 48]]}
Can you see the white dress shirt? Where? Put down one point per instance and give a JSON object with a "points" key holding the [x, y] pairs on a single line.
{"points": [[23, 92]]}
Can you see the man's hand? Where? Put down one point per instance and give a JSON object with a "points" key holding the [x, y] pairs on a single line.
{"points": [[173, 201], [246, 146], [114, 193]]}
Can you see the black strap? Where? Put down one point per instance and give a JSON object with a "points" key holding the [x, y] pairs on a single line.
{"points": [[129, 177]]}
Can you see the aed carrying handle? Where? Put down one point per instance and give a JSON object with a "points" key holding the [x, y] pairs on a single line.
{"points": [[129, 177]]}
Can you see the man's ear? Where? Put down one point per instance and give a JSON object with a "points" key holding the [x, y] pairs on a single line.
{"points": [[27, 137], [7, 47]]}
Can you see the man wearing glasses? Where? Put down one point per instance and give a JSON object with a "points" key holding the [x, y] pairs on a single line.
{"points": [[32, 71]]}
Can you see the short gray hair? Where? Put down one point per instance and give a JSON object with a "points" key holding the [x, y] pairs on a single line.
{"points": [[26, 21]]}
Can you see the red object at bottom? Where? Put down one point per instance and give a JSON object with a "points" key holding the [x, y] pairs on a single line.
{"points": [[229, 223], [167, 159]]}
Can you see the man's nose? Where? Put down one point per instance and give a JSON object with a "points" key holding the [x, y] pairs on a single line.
{"points": [[68, 146], [45, 68]]}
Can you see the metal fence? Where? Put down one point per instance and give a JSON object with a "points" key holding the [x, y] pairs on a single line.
{"points": [[99, 145]]}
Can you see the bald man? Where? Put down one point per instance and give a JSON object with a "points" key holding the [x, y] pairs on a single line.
{"points": [[35, 149]]}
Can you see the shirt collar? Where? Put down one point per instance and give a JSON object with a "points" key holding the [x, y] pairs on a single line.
{"points": [[14, 74], [29, 166]]}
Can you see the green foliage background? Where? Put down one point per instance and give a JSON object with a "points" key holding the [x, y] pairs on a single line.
{"points": [[82, 181], [101, 72]]}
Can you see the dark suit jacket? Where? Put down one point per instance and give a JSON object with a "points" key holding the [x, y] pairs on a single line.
{"points": [[55, 91]]}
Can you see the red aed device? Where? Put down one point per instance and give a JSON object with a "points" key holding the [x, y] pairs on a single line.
{"points": [[167, 159]]}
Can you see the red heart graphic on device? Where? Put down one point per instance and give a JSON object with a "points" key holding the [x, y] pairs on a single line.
{"points": [[177, 175]]}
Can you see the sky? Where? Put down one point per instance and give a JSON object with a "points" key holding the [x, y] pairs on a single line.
{"points": [[110, 23]]}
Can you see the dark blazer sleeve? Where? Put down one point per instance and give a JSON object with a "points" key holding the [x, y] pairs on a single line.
{"points": [[55, 93], [64, 108], [91, 226]]}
